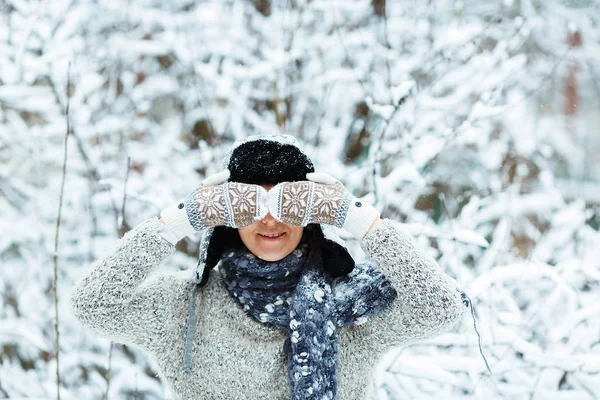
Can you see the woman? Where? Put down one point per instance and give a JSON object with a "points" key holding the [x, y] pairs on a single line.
{"points": [[289, 314]]}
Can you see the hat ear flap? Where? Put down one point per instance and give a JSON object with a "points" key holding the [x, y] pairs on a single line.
{"points": [[335, 258], [221, 238]]}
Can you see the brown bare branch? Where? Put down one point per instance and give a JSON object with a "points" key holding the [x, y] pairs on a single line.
{"points": [[55, 257]]}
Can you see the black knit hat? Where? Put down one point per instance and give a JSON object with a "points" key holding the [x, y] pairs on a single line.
{"points": [[264, 161], [270, 160]]}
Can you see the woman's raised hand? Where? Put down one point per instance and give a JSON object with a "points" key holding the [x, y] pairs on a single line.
{"points": [[216, 202], [321, 199]]}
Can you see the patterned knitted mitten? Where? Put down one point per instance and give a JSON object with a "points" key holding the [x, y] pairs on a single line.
{"points": [[216, 202], [230, 204], [320, 200]]}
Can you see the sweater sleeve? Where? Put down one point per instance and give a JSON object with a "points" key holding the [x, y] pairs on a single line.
{"points": [[118, 299], [429, 301]]}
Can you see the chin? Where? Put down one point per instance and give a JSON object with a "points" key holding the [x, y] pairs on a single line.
{"points": [[274, 247], [271, 257]]}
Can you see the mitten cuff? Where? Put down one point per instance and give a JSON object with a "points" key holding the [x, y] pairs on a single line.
{"points": [[176, 219], [360, 217]]}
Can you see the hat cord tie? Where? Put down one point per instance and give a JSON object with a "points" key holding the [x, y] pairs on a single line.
{"points": [[467, 302]]}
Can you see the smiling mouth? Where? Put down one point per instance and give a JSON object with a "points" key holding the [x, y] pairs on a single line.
{"points": [[273, 236]]}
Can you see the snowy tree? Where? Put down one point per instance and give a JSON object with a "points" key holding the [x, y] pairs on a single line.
{"points": [[473, 123]]}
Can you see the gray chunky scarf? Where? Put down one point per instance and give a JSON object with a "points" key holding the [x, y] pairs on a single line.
{"points": [[298, 298]]}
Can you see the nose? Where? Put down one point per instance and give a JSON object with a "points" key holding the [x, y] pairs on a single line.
{"points": [[269, 220]]}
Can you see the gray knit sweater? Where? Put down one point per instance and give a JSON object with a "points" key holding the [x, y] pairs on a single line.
{"points": [[234, 355]]}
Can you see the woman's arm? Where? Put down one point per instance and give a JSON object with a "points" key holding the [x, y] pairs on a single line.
{"points": [[117, 300], [429, 301]]}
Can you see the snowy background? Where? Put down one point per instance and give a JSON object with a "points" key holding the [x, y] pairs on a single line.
{"points": [[473, 122]]}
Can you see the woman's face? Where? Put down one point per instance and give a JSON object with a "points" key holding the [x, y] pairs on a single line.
{"points": [[270, 239]]}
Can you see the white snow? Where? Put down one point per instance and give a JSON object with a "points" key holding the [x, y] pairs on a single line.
{"points": [[479, 163]]}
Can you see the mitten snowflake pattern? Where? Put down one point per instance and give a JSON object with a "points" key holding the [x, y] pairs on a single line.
{"points": [[302, 203], [230, 204]]}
